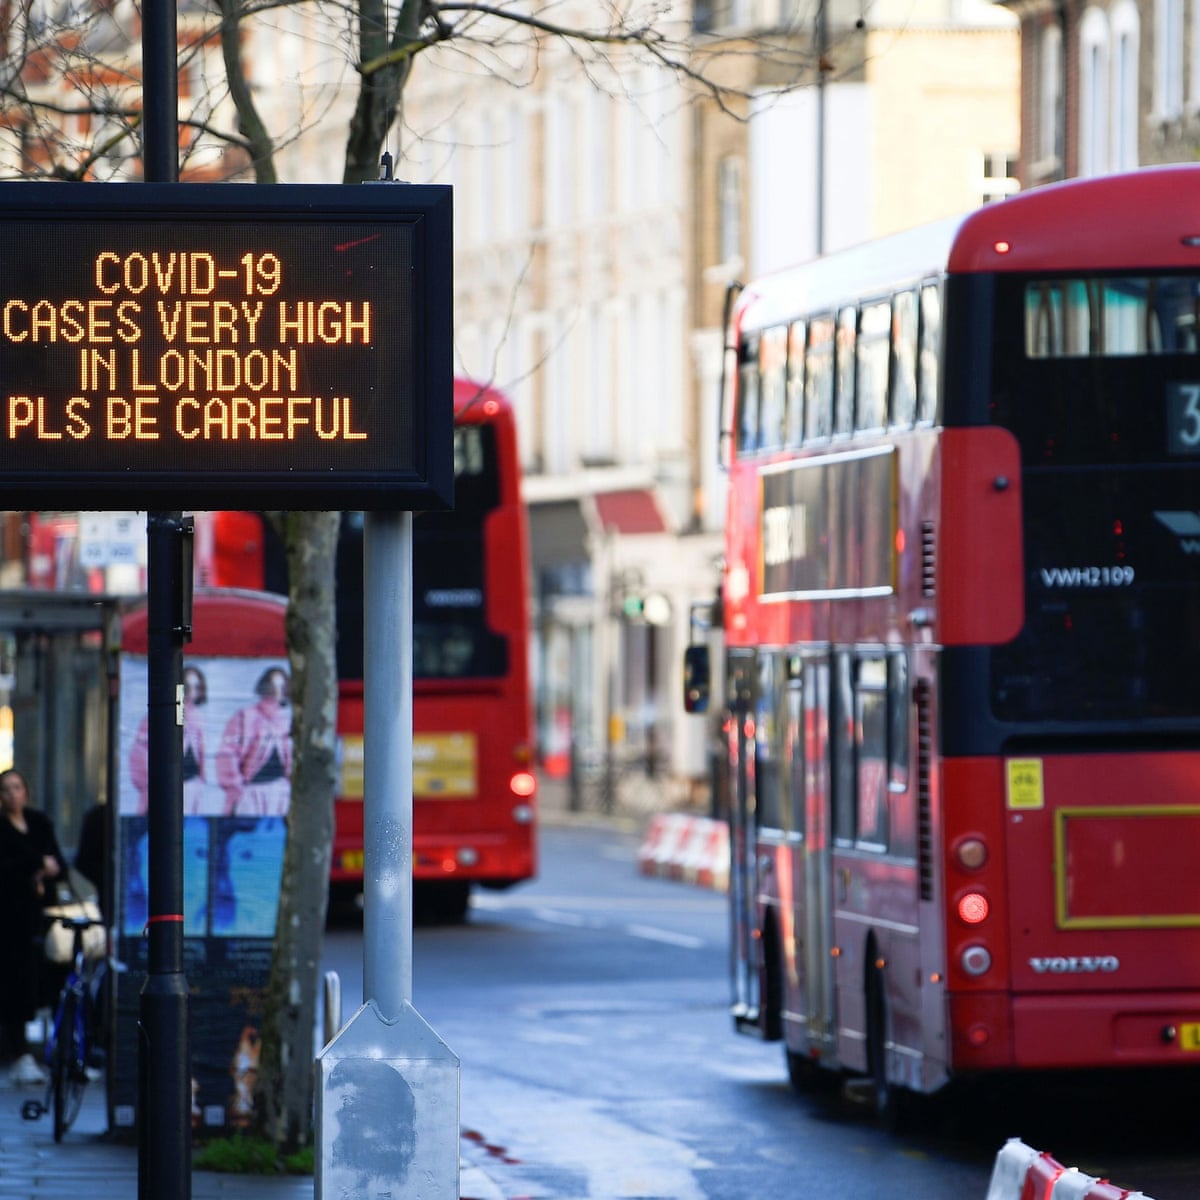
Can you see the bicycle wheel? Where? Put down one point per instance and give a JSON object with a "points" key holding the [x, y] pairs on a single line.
{"points": [[67, 1074]]}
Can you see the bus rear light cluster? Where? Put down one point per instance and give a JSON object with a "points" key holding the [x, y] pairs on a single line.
{"points": [[973, 908], [976, 961], [523, 814], [467, 856]]}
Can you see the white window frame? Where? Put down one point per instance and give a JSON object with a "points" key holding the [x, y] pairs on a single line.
{"points": [[1125, 26], [1094, 137], [996, 175], [1168, 59], [729, 210], [1050, 98]]}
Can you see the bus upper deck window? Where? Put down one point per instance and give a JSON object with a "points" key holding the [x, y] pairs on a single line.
{"points": [[928, 359], [903, 384], [772, 388], [747, 398], [794, 421], [1111, 317], [843, 401], [874, 350], [818, 382]]}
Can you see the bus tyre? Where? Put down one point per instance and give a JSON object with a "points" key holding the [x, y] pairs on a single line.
{"points": [[771, 983], [444, 903], [892, 1103], [803, 1073]]}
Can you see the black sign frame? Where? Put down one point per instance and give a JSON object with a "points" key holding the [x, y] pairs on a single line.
{"points": [[339, 282]]}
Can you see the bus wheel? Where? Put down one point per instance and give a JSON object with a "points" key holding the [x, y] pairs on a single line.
{"points": [[890, 1101], [803, 1073], [445, 903], [771, 983]]}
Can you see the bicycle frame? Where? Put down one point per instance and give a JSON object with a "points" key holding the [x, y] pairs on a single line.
{"points": [[68, 1045]]}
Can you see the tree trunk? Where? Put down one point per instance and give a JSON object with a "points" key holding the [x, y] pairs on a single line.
{"points": [[381, 92], [285, 1095]]}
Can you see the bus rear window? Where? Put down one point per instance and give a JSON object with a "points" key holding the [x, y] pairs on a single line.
{"points": [[1111, 317], [1098, 379], [451, 638], [1099, 371]]}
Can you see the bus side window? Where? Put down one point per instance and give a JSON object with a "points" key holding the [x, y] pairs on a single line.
{"points": [[770, 730], [794, 422], [772, 387], [903, 388], [843, 404], [930, 359], [874, 350], [747, 401], [898, 705], [871, 753], [841, 743], [794, 749], [818, 380], [901, 797]]}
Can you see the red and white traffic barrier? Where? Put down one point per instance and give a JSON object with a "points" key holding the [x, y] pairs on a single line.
{"points": [[1022, 1173], [687, 848]]}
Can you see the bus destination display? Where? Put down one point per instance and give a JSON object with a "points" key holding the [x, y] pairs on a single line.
{"points": [[198, 346]]}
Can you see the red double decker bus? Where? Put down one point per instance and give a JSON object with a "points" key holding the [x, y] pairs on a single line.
{"points": [[474, 791], [962, 627]]}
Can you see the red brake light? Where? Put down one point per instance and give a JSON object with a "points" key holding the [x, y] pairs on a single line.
{"points": [[973, 908], [522, 784]]}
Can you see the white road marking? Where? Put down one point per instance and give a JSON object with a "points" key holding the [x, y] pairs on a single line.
{"points": [[684, 940], [556, 917]]}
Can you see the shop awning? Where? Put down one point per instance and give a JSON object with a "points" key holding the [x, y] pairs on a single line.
{"points": [[632, 511]]}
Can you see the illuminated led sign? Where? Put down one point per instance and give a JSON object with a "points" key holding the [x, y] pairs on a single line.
{"points": [[220, 346]]}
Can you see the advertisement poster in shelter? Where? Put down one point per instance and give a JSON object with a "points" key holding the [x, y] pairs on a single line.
{"points": [[237, 766]]}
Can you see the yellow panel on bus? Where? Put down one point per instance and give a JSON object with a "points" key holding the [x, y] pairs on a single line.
{"points": [[350, 768], [444, 766]]}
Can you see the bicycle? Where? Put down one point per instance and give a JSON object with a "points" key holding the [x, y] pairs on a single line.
{"points": [[69, 1046]]}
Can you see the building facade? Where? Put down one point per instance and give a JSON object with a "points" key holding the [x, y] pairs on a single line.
{"points": [[605, 199], [1107, 85]]}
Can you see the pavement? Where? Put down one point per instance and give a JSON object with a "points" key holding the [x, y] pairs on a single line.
{"points": [[89, 1164]]}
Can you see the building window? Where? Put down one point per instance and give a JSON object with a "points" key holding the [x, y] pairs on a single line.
{"points": [[1126, 37], [1194, 93], [1093, 93], [998, 175], [1050, 99], [1168, 57], [729, 210]]}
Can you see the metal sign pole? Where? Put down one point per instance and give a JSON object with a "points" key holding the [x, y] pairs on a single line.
{"points": [[164, 1059], [387, 761], [388, 1100]]}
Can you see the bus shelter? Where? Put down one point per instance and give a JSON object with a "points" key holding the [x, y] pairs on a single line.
{"points": [[59, 662]]}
